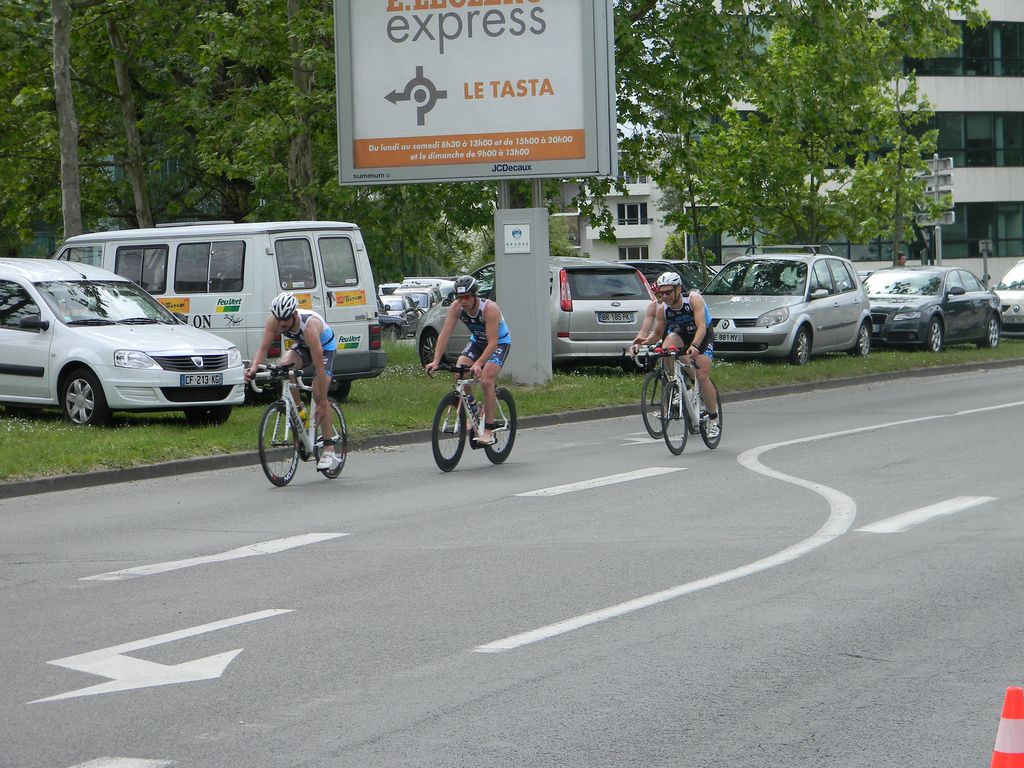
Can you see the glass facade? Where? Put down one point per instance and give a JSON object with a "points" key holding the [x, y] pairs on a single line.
{"points": [[981, 139], [991, 51]]}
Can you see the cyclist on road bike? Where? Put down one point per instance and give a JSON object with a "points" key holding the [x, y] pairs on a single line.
{"points": [[314, 343], [489, 343], [685, 322]]}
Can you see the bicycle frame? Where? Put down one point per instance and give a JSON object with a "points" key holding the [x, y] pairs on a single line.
{"points": [[462, 390], [684, 373], [293, 422]]}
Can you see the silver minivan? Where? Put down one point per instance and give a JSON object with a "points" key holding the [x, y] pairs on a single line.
{"points": [[596, 309], [789, 305]]}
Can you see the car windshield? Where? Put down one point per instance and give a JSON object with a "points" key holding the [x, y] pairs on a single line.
{"points": [[759, 277], [94, 302], [895, 282], [422, 299], [1012, 280], [394, 303], [607, 284]]}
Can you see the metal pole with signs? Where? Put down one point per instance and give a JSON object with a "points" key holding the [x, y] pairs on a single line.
{"points": [[467, 90], [985, 246], [938, 186]]}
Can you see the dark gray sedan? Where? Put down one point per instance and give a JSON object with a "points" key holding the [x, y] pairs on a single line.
{"points": [[930, 307]]}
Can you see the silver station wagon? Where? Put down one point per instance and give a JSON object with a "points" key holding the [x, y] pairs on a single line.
{"points": [[788, 305], [596, 309]]}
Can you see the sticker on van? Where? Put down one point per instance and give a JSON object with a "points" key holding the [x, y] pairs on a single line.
{"points": [[175, 304], [349, 342], [349, 298], [305, 300], [229, 305]]}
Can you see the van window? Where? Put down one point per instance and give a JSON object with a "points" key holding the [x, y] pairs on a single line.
{"points": [[339, 262], [84, 254], [295, 264], [144, 265], [841, 274], [209, 267]]}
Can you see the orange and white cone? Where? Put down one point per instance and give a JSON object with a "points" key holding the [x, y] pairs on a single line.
{"points": [[1009, 750]]}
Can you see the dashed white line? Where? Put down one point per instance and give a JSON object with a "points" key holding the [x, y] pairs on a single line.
{"points": [[123, 762], [251, 550], [597, 482], [908, 520]]}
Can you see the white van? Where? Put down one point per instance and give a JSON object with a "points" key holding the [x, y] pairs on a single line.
{"points": [[222, 277]]}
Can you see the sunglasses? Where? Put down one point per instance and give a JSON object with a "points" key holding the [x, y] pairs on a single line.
{"points": [[664, 292]]}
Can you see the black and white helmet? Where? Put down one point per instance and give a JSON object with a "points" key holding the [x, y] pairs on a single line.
{"points": [[669, 280], [465, 284], [284, 306]]}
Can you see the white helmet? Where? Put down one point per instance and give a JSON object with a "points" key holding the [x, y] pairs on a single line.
{"points": [[284, 306], [669, 280]]}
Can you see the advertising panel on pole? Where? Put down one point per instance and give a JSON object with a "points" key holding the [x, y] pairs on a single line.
{"points": [[448, 90]]}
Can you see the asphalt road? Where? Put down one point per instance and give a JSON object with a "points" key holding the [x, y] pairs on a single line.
{"points": [[769, 603]]}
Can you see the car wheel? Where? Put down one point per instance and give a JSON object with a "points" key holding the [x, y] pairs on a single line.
{"points": [[207, 416], [801, 351], [82, 399], [991, 340], [934, 338], [862, 347], [428, 344], [340, 390]]}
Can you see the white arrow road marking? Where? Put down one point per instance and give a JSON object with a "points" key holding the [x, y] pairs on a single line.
{"points": [[251, 550], [123, 762], [637, 438], [908, 520], [126, 672], [597, 482]]}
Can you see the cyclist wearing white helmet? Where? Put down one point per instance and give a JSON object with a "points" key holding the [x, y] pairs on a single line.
{"points": [[684, 321], [314, 344], [489, 343]]}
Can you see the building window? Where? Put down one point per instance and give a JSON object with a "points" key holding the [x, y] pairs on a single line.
{"points": [[634, 252], [632, 213], [981, 139], [632, 178], [991, 51], [1002, 223]]}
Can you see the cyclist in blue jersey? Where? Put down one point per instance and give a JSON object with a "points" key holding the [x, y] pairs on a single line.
{"points": [[685, 322], [314, 344], [489, 343]]}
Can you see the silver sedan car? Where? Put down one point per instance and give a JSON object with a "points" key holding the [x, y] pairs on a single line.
{"points": [[788, 305]]}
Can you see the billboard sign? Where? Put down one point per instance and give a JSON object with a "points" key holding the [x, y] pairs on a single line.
{"points": [[448, 90]]}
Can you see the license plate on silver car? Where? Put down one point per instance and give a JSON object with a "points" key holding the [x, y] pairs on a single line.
{"points": [[1013, 319], [615, 317], [734, 337], [201, 379]]}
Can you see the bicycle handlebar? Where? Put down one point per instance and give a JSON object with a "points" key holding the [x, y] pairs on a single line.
{"points": [[461, 370], [269, 373], [656, 350]]}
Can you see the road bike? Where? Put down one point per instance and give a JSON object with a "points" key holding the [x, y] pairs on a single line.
{"points": [[682, 408], [289, 432], [654, 384], [459, 415]]}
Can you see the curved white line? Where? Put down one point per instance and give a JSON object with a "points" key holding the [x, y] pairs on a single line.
{"points": [[842, 512]]}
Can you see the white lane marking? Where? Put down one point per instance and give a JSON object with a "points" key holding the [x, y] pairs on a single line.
{"points": [[907, 520], [123, 762], [127, 672], [597, 482], [638, 438], [842, 511], [250, 550]]}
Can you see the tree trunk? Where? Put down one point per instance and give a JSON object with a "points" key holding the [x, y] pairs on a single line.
{"points": [[300, 153], [67, 124], [134, 166]]}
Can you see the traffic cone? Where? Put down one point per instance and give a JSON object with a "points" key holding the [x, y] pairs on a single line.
{"points": [[1009, 749]]}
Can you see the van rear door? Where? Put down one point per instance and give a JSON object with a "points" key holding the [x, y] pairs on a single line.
{"points": [[348, 290]]}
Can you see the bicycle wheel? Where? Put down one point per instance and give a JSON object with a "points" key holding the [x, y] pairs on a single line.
{"points": [[278, 445], [712, 442], [674, 421], [505, 428], [448, 434], [650, 402], [339, 433]]}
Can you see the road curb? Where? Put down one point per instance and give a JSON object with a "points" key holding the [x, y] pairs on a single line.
{"points": [[17, 488]]}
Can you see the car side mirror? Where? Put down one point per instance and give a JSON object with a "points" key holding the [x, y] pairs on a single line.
{"points": [[819, 293], [33, 323], [956, 290]]}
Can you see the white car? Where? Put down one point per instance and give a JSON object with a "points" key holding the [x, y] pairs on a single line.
{"points": [[1011, 301], [91, 342]]}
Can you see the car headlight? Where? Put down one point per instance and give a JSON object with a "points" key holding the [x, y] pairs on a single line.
{"points": [[234, 357], [913, 315], [776, 316], [127, 358]]}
